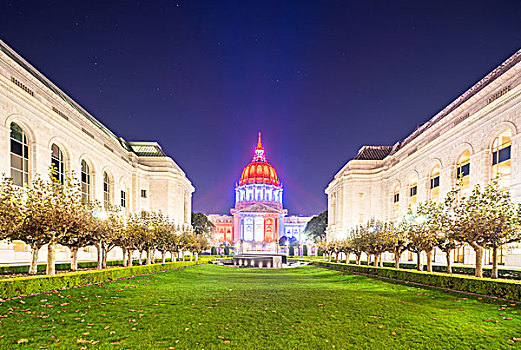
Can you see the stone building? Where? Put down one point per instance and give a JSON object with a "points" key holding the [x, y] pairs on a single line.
{"points": [[40, 125], [476, 135]]}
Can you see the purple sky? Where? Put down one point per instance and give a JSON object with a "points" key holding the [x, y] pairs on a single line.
{"points": [[319, 79]]}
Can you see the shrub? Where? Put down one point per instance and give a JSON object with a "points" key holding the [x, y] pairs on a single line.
{"points": [[502, 289], [36, 284]]}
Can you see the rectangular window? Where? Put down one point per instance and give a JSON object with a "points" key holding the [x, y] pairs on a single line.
{"points": [[464, 170], [413, 191], [396, 198], [501, 156], [143, 193], [123, 199], [435, 182]]}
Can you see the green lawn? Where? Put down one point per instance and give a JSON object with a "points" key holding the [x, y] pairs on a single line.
{"points": [[208, 307]]}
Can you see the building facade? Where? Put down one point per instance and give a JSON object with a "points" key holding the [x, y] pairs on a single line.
{"points": [[476, 136], [41, 126], [258, 220]]}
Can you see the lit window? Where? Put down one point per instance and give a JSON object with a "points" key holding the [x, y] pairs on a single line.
{"points": [[106, 190], [396, 202], [435, 183], [123, 199], [57, 163], [19, 156], [463, 172], [85, 181], [501, 158], [413, 192]]}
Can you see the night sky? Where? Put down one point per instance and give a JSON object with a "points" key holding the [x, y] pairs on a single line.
{"points": [[320, 79]]}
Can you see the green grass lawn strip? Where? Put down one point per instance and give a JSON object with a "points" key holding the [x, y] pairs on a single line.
{"points": [[215, 307]]}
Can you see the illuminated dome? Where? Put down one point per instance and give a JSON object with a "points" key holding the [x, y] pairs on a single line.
{"points": [[259, 171], [259, 182]]}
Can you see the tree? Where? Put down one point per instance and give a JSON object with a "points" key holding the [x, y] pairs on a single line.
{"points": [[79, 235], [11, 208], [374, 241], [488, 219], [51, 209], [345, 247], [442, 220], [201, 224], [356, 243], [108, 230], [424, 230], [397, 237], [316, 227], [322, 246]]}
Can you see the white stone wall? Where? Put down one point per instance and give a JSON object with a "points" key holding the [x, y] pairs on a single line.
{"points": [[167, 187], [440, 142]]}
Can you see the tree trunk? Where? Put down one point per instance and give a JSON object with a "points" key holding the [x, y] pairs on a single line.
{"points": [[74, 262], [418, 261], [34, 260], [130, 253], [196, 256], [397, 255], [329, 257], [172, 256], [191, 256], [449, 262], [148, 257], [494, 263], [358, 257], [51, 257], [183, 255], [105, 256], [479, 259], [429, 261], [336, 257], [99, 257], [124, 261]]}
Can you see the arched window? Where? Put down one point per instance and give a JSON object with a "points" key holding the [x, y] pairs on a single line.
{"points": [[413, 192], [434, 192], [85, 181], [57, 163], [463, 172], [19, 156], [396, 202], [501, 158], [107, 190]]}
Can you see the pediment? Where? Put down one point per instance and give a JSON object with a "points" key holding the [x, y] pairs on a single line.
{"points": [[259, 208]]}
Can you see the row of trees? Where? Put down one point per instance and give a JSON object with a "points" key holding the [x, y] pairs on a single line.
{"points": [[52, 212], [486, 219]]}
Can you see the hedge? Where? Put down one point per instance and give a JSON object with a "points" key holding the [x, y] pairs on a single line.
{"points": [[13, 287], [510, 290], [14, 269]]}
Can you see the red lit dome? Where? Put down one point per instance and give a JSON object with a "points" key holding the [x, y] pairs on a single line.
{"points": [[259, 171]]}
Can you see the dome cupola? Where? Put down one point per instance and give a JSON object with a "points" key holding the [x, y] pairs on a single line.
{"points": [[259, 171]]}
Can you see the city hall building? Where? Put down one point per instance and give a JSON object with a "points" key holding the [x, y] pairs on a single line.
{"points": [[477, 136], [258, 220], [41, 126]]}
